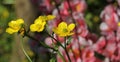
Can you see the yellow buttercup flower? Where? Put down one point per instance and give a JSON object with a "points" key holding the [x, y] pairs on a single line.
{"points": [[14, 26], [37, 26], [46, 18], [42, 18], [50, 17], [64, 30], [39, 23]]}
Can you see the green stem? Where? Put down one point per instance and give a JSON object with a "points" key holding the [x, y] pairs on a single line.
{"points": [[61, 45], [61, 56], [44, 45], [25, 51], [54, 39], [58, 50], [71, 13], [66, 49], [57, 6]]}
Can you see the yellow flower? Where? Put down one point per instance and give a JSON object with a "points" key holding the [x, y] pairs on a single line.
{"points": [[37, 26], [46, 18], [64, 30], [42, 18], [14, 26], [50, 17], [39, 23]]}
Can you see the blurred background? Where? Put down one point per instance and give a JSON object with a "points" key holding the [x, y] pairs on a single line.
{"points": [[10, 50]]}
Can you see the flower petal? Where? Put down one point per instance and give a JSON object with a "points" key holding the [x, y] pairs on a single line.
{"points": [[43, 18], [12, 23], [62, 25], [41, 27], [56, 30], [38, 21], [19, 21], [50, 17], [33, 27], [71, 26], [10, 31]]}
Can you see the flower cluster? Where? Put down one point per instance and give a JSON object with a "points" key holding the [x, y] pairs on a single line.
{"points": [[39, 24], [63, 29]]}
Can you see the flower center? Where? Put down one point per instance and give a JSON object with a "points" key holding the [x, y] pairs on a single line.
{"points": [[65, 30], [39, 26]]}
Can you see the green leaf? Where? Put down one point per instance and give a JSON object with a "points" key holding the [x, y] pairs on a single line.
{"points": [[53, 59], [69, 40], [58, 43], [100, 56]]}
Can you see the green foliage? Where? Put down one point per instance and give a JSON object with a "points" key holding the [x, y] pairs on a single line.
{"points": [[92, 15], [69, 40], [6, 40], [100, 56], [53, 59]]}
